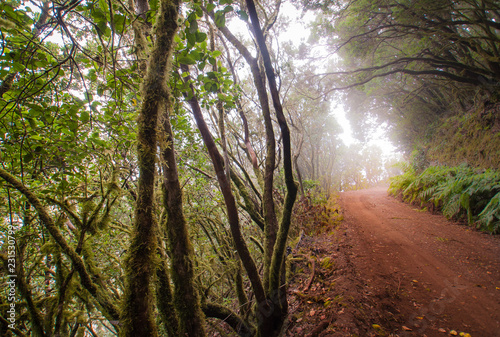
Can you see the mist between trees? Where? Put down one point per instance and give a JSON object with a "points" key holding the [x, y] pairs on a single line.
{"points": [[151, 156]]}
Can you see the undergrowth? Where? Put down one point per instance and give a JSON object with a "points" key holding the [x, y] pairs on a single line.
{"points": [[317, 215], [458, 192]]}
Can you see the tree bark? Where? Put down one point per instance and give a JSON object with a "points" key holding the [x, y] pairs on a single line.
{"points": [[271, 223], [186, 299], [225, 186], [137, 317], [271, 325]]}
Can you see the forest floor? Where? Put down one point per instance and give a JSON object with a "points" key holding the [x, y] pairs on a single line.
{"points": [[391, 269]]}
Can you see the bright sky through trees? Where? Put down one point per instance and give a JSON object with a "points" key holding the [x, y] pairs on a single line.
{"points": [[298, 32]]}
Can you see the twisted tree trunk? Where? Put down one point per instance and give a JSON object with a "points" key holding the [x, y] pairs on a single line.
{"points": [[137, 315]]}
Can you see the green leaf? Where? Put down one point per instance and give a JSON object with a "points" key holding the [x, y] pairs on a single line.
{"points": [[153, 4], [32, 123], [28, 157], [186, 60], [202, 65], [210, 7], [200, 37], [199, 11], [242, 15], [193, 27], [103, 4], [84, 116], [220, 19], [18, 67], [197, 56], [191, 38], [119, 22], [36, 137]]}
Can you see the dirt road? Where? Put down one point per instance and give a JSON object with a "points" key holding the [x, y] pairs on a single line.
{"points": [[431, 275]]}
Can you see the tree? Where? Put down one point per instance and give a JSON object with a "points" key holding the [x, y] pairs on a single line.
{"points": [[409, 63]]}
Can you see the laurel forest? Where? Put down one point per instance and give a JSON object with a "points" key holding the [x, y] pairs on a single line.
{"points": [[157, 157]]}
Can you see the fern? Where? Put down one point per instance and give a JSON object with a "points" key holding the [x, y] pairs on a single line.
{"points": [[459, 192], [401, 182], [489, 218]]}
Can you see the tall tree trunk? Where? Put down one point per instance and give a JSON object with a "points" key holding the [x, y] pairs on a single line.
{"points": [[186, 299], [225, 186], [136, 316], [270, 223], [271, 325]]}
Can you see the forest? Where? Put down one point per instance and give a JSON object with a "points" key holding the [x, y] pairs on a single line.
{"points": [[159, 159]]}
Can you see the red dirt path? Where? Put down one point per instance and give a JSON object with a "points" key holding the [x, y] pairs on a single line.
{"points": [[398, 271]]}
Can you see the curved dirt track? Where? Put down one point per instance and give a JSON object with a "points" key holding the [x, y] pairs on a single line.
{"points": [[439, 276]]}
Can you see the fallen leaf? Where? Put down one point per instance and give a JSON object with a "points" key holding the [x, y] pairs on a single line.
{"points": [[405, 328], [453, 333], [442, 330], [312, 312]]}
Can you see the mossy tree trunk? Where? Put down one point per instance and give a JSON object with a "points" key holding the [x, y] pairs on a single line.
{"points": [[136, 313], [186, 300]]}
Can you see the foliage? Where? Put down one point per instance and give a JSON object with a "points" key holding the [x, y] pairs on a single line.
{"points": [[459, 192], [316, 216], [68, 140], [410, 63]]}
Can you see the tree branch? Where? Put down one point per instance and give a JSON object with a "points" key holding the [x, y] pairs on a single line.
{"points": [[109, 309]]}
